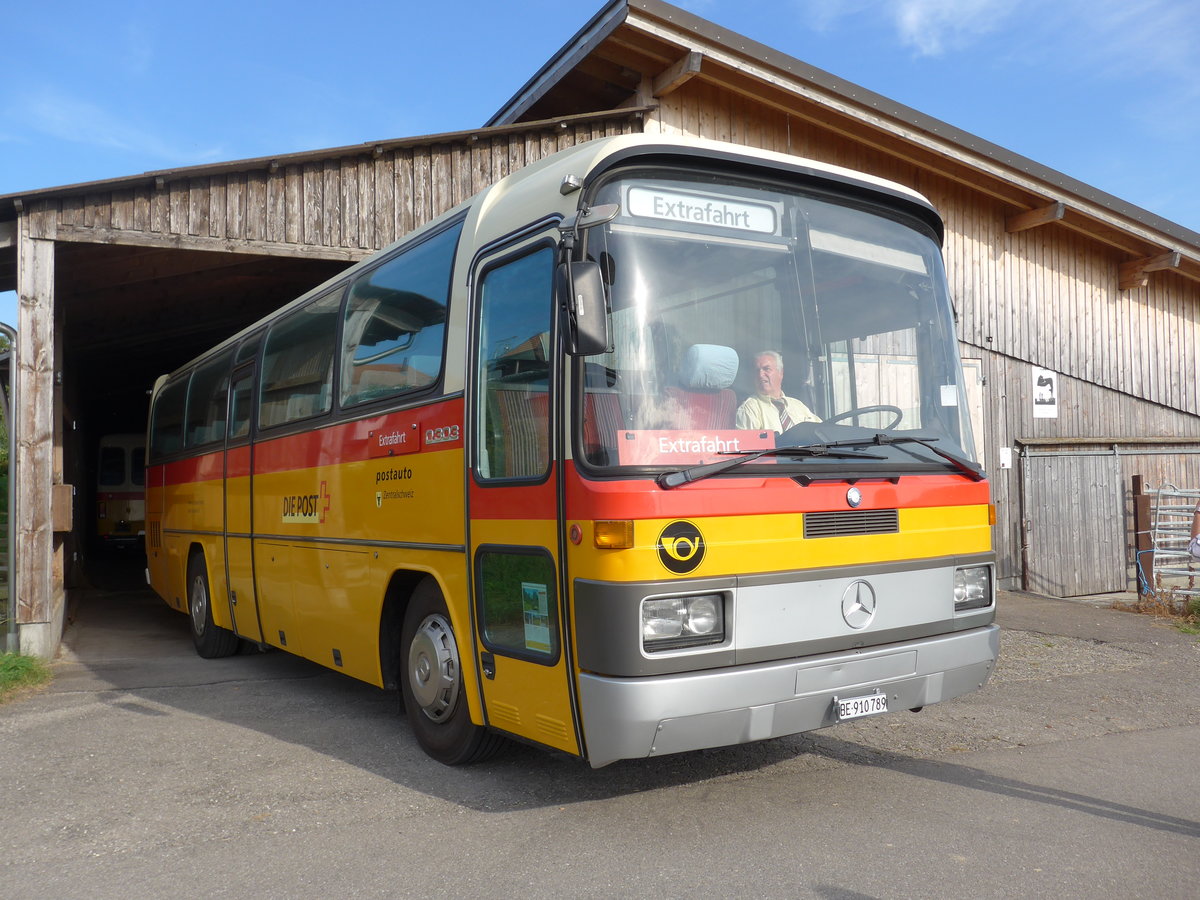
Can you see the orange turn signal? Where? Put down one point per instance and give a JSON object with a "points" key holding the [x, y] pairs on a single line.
{"points": [[991, 513], [614, 535]]}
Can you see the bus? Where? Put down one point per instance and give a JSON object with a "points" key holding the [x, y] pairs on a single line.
{"points": [[120, 490], [510, 466]]}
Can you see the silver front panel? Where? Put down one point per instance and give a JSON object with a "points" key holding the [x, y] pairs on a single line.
{"points": [[803, 611], [629, 718]]}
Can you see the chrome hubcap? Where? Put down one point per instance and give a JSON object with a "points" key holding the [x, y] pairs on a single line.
{"points": [[433, 673], [198, 605]]}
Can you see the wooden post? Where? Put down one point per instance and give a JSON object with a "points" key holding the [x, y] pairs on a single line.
{"points": [[39, 607], [1143, 541]]}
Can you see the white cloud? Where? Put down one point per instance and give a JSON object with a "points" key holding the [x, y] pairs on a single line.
{"points": [[1144, 51], [932, 27], [1151, 44], [1146, 37], [54, 113]]}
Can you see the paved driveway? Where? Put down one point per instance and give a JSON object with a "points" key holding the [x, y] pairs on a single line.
{"points": [[144, 771]]}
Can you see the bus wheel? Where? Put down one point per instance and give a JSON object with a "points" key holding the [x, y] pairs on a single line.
{"points": [[431, 684], [211, 641]]}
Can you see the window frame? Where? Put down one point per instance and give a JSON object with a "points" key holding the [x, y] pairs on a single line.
{"points": [[436, 385], [292, 316], [519, 251], [548, 659]]}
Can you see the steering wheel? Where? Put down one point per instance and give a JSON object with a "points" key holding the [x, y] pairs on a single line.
{"points": [[863, 410]]}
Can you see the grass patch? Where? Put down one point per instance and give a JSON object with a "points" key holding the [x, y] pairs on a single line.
{"points": [[1182, 610], [17, 671]]}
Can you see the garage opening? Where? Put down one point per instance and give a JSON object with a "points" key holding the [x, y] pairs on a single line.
{"points": [[128, 315]]}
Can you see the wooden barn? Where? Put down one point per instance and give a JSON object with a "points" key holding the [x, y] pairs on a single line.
{"points": [[1078, 313]]}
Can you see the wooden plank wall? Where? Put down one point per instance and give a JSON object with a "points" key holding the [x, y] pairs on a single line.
{"points": [[340, 207], [1085, 410], [1045, 297]]}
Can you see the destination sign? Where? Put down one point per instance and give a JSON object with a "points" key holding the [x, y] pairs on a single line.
{"points": [[701, 209]]}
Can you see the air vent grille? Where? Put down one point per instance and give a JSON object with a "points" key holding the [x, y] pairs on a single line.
{"points": [[849, 522]]}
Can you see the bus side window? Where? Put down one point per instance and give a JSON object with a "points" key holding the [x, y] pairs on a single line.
{"points": [[514, 361], [166, 427], [112, 466], [239, 408], [206, 404], [518, 607], [297, 372], [395, 322]]}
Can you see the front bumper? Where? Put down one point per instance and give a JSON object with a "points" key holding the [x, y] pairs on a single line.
{"points": [[631, 718]]}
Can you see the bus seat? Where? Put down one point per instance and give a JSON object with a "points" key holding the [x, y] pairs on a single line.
{"points": [[602, 420], [704, 398], [521, 437]]}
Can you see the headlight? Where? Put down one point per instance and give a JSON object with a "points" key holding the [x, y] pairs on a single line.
{"points": [[674, 622], [972, 587]]}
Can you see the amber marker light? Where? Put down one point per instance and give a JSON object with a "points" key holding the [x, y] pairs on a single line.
{"points": [[614, 535], [991, 513]]}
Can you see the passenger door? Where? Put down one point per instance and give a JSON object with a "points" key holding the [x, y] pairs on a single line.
{"points": [[521, 643], [239, 520]]}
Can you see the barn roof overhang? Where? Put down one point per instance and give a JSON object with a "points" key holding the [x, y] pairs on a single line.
{"points": [[13, 205], [634, 51]]}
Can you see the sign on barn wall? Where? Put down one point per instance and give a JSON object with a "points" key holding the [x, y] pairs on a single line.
{"points": [[1045, 394]]}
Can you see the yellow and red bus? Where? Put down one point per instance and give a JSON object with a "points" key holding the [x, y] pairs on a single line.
{"points": [[120, 490], [522, 465]]}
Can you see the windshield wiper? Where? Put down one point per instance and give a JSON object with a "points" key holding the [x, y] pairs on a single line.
{"points": [[669, 480], [965, 466]]}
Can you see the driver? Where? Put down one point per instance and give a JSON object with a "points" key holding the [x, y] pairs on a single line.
{"points": [[770, 409]]}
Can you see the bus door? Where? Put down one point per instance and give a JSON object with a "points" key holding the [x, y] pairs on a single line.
{"points": [[239, 520], [521, 646]]}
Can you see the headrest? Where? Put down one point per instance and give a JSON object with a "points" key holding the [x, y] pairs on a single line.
{"points": [[708, 367]]}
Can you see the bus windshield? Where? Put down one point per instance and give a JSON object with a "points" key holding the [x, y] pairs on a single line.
{"points": [[746, 316]]}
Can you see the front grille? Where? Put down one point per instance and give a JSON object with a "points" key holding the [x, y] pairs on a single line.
{"points": [[848, 522]]}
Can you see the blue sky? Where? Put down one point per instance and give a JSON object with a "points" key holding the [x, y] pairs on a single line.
{"points": [[1106, 91]]}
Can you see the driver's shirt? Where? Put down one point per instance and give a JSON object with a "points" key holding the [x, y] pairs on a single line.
{"points": [[759, 413]]}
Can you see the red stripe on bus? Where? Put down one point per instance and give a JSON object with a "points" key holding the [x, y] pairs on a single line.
{"points": [[539, 501], [343, 443], [643, 499]]}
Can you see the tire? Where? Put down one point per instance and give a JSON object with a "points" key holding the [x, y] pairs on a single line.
{"points": [[431, 684], [211, 640]]}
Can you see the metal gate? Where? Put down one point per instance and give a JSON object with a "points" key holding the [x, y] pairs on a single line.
{"points": [[1174, 570], [1073, 523]]}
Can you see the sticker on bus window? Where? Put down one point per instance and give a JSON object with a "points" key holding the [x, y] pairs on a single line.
{"points": [[702, 209], [685, 448], [535, 600]]}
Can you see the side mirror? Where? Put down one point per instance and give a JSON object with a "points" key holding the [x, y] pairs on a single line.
{"points": [[580, 290]]}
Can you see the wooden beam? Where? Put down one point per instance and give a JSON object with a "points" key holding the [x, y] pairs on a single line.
{"points": [[39, 600], [1034, 217], [171, 241], [680, 73], [1136, 273]]}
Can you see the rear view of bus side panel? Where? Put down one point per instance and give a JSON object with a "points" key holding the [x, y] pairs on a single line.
{"points": [[120, 490], [193, 525]]}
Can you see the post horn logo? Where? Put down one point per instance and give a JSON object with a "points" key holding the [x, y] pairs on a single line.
{"points": [[681, 547]]}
